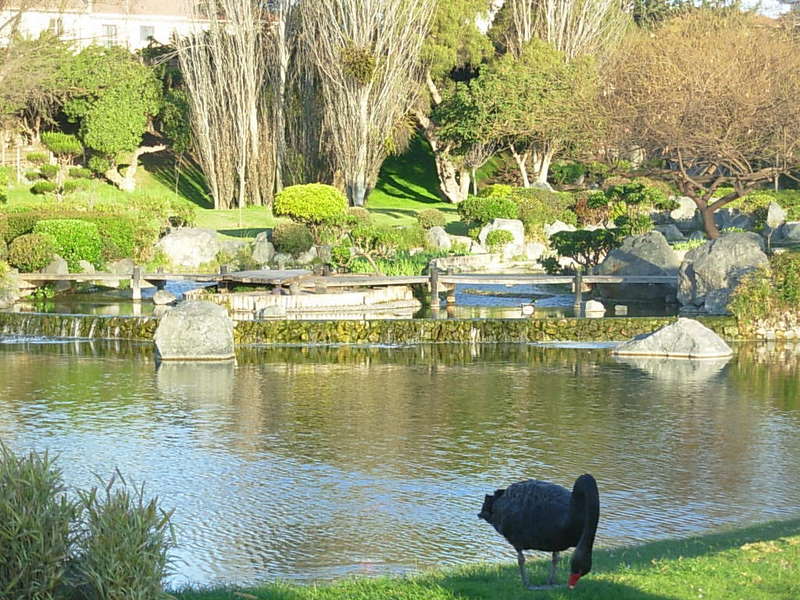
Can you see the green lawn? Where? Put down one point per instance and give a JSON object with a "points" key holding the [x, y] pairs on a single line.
{"points": [[755, 563]]}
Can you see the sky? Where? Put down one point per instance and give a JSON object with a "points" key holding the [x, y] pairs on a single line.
{"points": [[773, 8]]}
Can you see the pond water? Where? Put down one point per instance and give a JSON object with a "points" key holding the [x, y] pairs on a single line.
{"points": [[309, 464]]}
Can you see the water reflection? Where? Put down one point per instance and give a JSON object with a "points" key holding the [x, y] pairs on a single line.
{"points": [[317, 462]]}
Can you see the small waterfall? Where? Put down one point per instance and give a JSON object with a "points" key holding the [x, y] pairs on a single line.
{"points": [[75, 326]]}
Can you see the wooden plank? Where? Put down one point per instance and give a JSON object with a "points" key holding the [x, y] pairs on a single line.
{"points": [[506, 279]]}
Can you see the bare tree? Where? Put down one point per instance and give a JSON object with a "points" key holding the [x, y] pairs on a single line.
{"points": [[716, 96], [367, 57], [574, 27], [225, 70]]}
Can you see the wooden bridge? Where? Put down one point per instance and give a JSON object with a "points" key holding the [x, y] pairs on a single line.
{"points": [[299, 281]]}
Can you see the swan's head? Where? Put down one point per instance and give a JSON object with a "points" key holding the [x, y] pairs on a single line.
{"points": [[580, 565]]}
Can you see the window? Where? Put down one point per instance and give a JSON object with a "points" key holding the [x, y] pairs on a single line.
{"points": [[110, 34], [56, 26], [147, 32]]}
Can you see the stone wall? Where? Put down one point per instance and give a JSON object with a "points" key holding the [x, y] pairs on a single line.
{"points": [[365, 332]]}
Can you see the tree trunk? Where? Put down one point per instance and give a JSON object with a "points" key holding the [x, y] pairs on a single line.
{"points": [[522, 165], [127, 182], [453, 180], [709, 224], [541, 163]]}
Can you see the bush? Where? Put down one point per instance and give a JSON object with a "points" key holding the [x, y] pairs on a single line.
{"points": [[292, 238], [385, 241], [359, 215], [771, 291], [124, 544], [591, 208], [497, 190], [430, 218], [537, 208], [312, 203], [43, 187], [119, 236], [17, 224], [497, 239], [585, 247], [49, 172], [80, 173], [484, 210], [31, 252], [62, 144], [633, 224], [32, 175], [37, 158], [402, 264], [35, 540], [76, 185], [74, 240], [563, 172], [3, 250]]}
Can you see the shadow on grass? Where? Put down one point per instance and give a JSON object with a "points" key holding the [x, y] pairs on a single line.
{"points": [[191, 183], [415, 166], [245, 232]]}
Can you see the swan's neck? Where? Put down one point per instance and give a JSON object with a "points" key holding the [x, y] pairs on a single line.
{"points": [[585, 508]]}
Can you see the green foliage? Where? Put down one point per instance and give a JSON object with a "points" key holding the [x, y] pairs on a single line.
{"points": [[49, 172], [769, 292], [497, 239], [62, 144], [3, 253], [32, 175], [43, 187], [3, 185], [358, 215], [312, 203], [124, 543], [585, 247], [688, 244], [174, 120], [484, 210], [98, 164], [76, 185], [385, 241], [403, 263], [563, 172], [74, 240], [31, 252], [591, 208], [501, 190], [454, 41], [636, 224], [431, 217], [35, 514], [80, 173], [358, 63], [37, 158], [292, 238], [537, 208]]}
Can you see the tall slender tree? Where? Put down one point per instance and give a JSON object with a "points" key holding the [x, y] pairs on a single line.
{"points": [[366, 54]]}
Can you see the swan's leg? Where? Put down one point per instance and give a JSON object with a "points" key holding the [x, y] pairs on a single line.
{"points": [[553, 566], [521, 563]]}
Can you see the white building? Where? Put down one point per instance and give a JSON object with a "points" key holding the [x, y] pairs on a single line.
{"points": [[129, 23]]}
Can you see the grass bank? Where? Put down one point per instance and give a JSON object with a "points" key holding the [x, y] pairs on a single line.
{"points": [[754, 563]]}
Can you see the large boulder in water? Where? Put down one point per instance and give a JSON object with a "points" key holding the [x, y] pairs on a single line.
{"points": [[686, 338], [647, 254], [195, 330], [710, 273], [188, 247]]}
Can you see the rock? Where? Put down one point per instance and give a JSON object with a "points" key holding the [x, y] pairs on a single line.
{"points": [[324, 253], [684, 215], [727, 218], [673, 373], [86, 266], [534, 250], [710, 273], [195, 330], [647, 254], [307, 257], [671, 233], [281, 259], [232, 246], [542, 185], [275, 311], [438, 239], [553, 228], [788, 233], [686, 338], [776, 216], [163, 297], [123, 266], [263, 250], [593, 308], [189, 247], [57, 266], [9, 288], [515, 226], [697, 235]]}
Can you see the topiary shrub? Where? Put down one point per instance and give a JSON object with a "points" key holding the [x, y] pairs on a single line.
{"points": [[484, 210], [497, 190], [538, 208], [431, 217], [311, 203], [497, 239], [17, 224], [62, 144], [43, 187], [74, 240], [591, 208], [37, 158], [31, 252], [586, 247], [565, 171], [292, 238], [80, 173], [76, 185], [49, 172]]}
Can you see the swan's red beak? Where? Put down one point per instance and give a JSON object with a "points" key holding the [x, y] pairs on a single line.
{"points": [[573, 580]]}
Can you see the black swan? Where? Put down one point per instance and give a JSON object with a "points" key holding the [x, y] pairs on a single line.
{"points": [[537, 515]]}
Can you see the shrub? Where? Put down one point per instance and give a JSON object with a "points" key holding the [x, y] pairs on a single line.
{"points": [[497, 239], [4, 178], [119, 236], [591, 208], [403, 263], [3, 250], [430, 218], [80, 173], [98, 164], [37, 158], [497, 190], [124, 544], [688, 244], [31, 252], [385, 240], [615, 180], [585, 247], [43, 187], [311, 203], [62, 144], [359, 215], [74, 240], [292, 238], [76, 185], [564, 171], [32, 175], [49, 172], [484, 210], [770, 291], [637, 224], [35, 540], [537, 208], [17, 224]]}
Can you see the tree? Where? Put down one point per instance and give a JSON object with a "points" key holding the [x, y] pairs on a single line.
{"points": [[715, 94], [366, 54], [112, 99]]}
